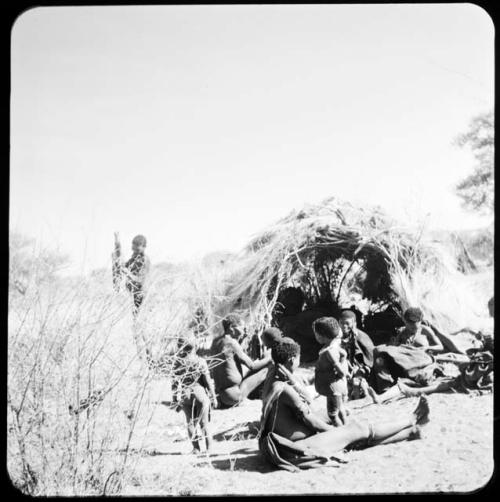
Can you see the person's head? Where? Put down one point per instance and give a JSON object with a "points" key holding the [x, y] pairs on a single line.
{"points": [[326, 329], [347, 321], [287, 353], [186, 345], [271, 336], [233, 325], [139, 244], [413, 318]]}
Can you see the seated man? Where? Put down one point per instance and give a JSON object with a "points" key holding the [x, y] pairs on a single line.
{"points": [[409, 353], [293, 437], [359, 348], [230, 383]]}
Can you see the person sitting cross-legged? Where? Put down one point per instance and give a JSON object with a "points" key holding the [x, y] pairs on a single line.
{"points": [[231, 384]]}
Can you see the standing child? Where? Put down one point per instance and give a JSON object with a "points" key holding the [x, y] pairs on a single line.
{"points": [[193, 392], [136, 270], [331, 369]]}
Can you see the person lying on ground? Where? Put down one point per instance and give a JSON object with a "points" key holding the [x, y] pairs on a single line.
{"points": [[475, 375], [408, 356], [330, 377], [293, 437], [359, 348], [136, 271], [231, 385], [193, 392]]}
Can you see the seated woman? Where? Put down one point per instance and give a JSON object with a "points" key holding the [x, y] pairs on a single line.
{"points": [[231, 384], [293, 437], [410, 353]]}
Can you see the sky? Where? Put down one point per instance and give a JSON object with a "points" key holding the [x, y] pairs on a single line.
{"points": [[198, 126]]}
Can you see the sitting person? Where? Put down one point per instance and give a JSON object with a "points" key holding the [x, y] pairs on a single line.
{"points": [[408, 355], [293, 437], [359, 348], [193, 391], [330, 376], [299, 383], [230, 383], [415, 334]]}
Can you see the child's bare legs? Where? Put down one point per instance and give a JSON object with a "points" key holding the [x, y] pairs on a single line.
{"points": [[196, 410], [191, 426], [336, 409], [202, 410]]}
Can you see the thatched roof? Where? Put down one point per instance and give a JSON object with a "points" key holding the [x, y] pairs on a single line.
{"points": [[333, 249]]}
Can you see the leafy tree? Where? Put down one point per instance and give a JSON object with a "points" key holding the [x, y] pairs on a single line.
{"points": [[476, 190]]}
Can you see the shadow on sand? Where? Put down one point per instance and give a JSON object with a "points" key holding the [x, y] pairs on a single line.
{"points": [[239, 432], [248, 459]]}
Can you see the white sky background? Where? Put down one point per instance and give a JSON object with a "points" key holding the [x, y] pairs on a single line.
{"points": [[199, 126]]}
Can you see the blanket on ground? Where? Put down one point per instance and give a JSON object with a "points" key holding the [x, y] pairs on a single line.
{"points": [[282, 452]]}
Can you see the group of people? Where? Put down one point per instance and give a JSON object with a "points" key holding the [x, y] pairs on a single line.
{"points": [[348, 366], [292, 434]]}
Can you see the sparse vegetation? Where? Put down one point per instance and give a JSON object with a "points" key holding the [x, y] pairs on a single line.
{"points": [[88, 388]]}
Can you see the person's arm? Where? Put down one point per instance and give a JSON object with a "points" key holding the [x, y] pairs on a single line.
{"points": [[175, 388], [435, 344], [301, 410], [144, 271], [209, 383], [335, 359], [295, 382], [245, 359]]}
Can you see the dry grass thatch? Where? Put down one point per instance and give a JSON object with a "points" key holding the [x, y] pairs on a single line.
{"points": [[334, 250]]}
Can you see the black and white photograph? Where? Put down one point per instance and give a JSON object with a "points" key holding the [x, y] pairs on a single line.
{"points": [[251, 250]]}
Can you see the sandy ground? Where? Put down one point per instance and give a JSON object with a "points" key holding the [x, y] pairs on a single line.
{"points": [[455, 454]]}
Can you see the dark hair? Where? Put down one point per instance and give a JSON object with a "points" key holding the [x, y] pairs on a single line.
{"points": [[139, 240], [274, 335], [413, 314], [230, 321], [285, 350], [186, 344], [347, 314], [327, 327]]}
